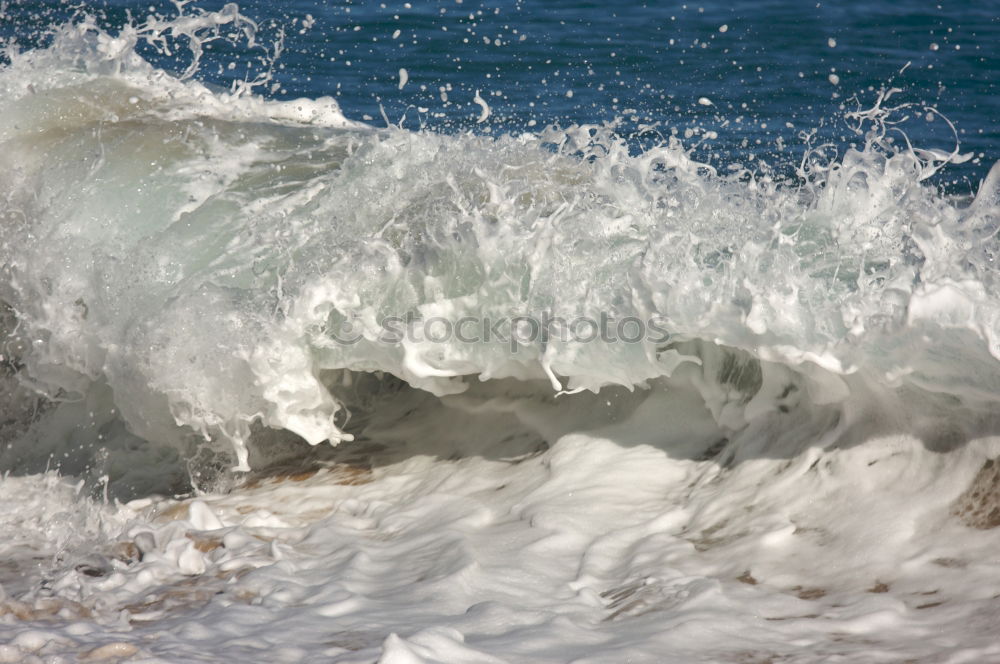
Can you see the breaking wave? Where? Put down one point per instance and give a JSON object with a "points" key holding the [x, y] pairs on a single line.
{"points": [[179, 264]]}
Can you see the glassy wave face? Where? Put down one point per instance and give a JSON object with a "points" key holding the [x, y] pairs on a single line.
{"points": [[197, 281]]}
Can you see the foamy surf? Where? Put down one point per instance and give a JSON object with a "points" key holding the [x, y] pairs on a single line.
{"points": [[585, 399]]}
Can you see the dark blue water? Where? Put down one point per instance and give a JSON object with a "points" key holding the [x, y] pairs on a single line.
{"points": [[770, 70]]}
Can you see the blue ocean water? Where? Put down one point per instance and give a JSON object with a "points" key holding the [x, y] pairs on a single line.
{"points": [[766, 73]]}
